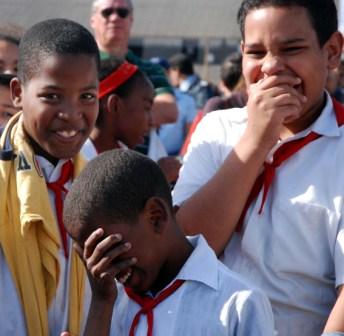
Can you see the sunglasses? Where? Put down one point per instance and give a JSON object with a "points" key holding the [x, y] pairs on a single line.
{"points": [[120, 11]]}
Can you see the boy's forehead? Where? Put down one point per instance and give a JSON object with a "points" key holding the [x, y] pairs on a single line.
{"points": [[56, 65], [286, 22]]}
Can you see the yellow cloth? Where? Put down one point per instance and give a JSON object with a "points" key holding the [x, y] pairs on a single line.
{"points": [[29, 236]]}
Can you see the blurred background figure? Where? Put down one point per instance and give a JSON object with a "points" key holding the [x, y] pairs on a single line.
{"points": [[9, 41], [7, 110], [183, 76], [112, 21], [173, 135], [231, 86], [335, 82]]}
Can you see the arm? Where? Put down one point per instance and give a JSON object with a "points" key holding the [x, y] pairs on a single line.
{"points": [[99, 255], [164, 109], [335, 322], [215, 208]]}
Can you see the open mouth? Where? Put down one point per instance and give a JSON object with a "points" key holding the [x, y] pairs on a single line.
{"points": [[124, 276], [67, 134]]}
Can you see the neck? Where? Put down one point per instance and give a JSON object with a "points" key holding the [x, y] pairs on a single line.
{"points": [[102, 140], [38, 150], [306, 120], [174, 264], [117, 49]]}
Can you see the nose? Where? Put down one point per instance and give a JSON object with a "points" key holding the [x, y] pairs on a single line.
{"points": [[272, 64], [70, 111]]}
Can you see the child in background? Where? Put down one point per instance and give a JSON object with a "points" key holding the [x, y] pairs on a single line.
{"points": [[126, 98], [7, 109], [9, 48], [119, 211], [41, 277]]}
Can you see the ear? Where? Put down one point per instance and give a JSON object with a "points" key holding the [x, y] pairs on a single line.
{"points": [[16, 92], [156, 213], [242, 46], [334, 47], [113, 107]]}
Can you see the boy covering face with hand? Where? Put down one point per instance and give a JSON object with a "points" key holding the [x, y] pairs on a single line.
{"points": [[282, 156], [119, 211]]}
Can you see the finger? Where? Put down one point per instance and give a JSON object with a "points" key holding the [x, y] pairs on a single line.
{"points": [[277, 80], [108, 259], [91, 242], [115, 269], [102, 248]]}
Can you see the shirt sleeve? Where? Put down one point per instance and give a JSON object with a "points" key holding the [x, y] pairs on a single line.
{"points": [[206, 152], [252, 315]]}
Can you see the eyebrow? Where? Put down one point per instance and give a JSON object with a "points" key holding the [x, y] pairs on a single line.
{"points": [[54, 87], [289, 41]]}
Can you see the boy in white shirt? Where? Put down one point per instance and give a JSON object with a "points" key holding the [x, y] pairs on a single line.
{"points": [[289, 238], [41, 277], [166, 284]]}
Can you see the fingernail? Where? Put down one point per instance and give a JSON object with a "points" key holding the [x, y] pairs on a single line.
{"points": [[298, 80], [134, 260], [118, 236], [127, 245]]}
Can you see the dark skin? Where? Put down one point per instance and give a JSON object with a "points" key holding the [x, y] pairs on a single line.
{"points": [[108, 254]]}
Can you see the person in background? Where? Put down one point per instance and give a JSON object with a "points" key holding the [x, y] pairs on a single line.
{"points": [[173, 135], [284, 229], [7, 109], [125, 103], [231, 86], [56, 88], [9, 41], [111, 21], [183, 76]]}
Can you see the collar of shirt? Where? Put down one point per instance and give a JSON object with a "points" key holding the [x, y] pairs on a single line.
{"points": [[202, 264], [50, 172], [187, 83]]}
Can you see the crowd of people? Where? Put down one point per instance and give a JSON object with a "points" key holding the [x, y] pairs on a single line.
{"points": [[137, 198]]}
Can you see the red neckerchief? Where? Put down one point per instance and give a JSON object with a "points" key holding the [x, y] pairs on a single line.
{"points": [[148, 303], [283, 153], [58, 188]]}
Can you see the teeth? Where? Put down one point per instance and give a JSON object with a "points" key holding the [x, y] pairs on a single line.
{"points": [[123, 279], [67, 134]]}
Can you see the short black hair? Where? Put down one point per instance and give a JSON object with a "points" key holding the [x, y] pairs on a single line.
{"points": [[5, 79], [107, 67], [53, 37], [183, 63], [231, 70], [113, 187], [322, 14]]}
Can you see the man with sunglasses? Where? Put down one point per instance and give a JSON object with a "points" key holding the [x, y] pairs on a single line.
{"points": [[112, 21]]}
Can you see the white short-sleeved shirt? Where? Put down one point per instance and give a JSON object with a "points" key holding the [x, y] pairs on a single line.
{"points": [[294, 250], [12, 319], [212, 301]]}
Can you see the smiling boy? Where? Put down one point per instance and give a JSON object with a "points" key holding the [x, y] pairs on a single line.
{"points": [[289, 236], [41, 278]]}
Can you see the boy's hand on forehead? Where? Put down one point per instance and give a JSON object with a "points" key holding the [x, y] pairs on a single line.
{"points": [[103, 258], [272, 101]]}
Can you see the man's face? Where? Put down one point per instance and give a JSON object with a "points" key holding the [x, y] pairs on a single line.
{"points": [[112, 21], [282, 41]]}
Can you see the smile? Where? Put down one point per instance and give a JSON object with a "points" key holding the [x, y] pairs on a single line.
{"points": [[67, 134], [124, 278]]}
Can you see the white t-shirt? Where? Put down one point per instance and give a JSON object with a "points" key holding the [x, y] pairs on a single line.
{"points": [[12, 319], [294, 250], [212, 301]]}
